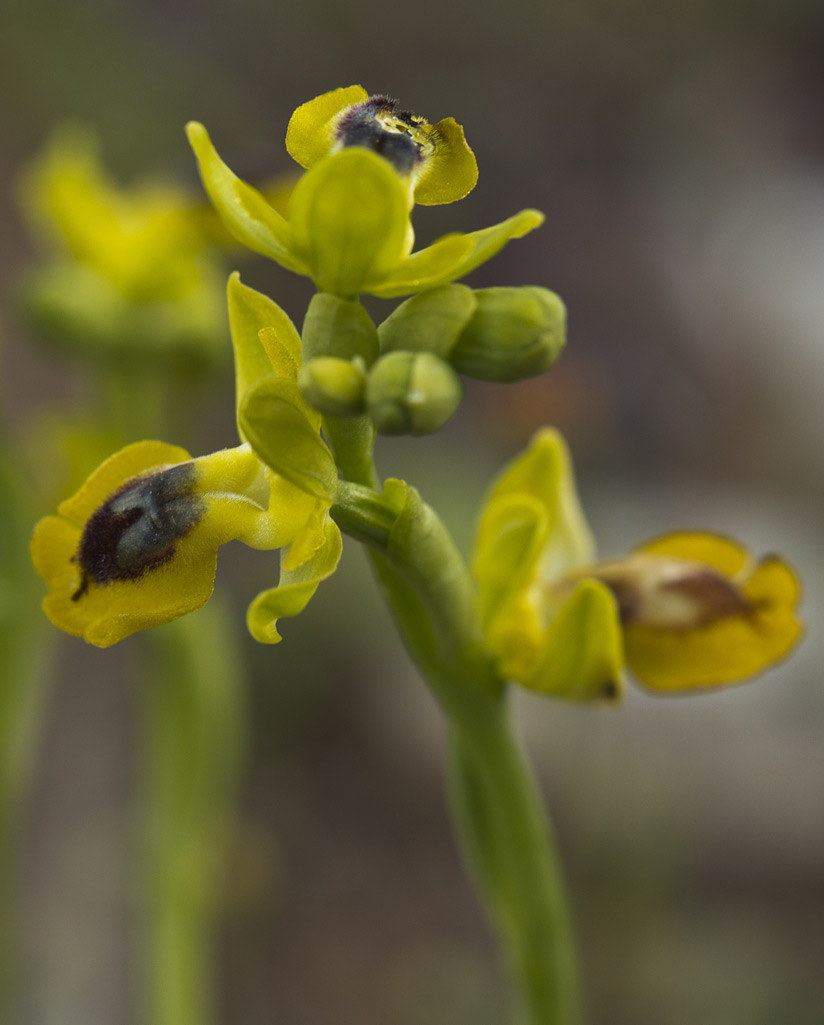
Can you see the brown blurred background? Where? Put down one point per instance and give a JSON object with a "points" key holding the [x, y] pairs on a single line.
{"points": [[678, 152]]}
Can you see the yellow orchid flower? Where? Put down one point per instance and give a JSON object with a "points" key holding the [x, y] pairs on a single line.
{"points": [[127, 271], [686, 611], [434, 161], [348, 225], [136, 546]]}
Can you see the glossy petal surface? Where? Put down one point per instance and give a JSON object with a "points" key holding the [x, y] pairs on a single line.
{"points": [[452, 171], [311, 134]]}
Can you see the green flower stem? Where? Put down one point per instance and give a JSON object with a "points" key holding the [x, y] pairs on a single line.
{"points": [[510, 849], [498, 812], [192, 734]]}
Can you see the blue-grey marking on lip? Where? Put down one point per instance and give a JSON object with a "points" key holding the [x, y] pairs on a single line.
{"points": [[136, 528], [361, 127]]}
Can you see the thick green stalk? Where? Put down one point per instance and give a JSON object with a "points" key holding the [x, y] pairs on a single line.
{"points": [[498, 812], [192, 735], [510, 849]]}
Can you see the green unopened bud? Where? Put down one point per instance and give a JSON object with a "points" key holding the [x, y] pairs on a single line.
{"points": [[334, 386], [431, 321], [339, 327], [412, 393], [514, 333]]}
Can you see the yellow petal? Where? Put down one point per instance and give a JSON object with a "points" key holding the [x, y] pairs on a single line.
{"points": [[318, 559], [726, 650], [243, 210], [103, 615], [511, 535], [544, 471], [722, 553], [123, 465], [311, 131], [451, 172]]}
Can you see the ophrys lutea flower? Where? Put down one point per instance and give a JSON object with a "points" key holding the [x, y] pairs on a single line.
{"points": [[136, 546], [433, 161], [685, 611], [128, 274], [348, 225]]}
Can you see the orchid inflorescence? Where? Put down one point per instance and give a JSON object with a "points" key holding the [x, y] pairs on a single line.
{"points": [[136, 545]]}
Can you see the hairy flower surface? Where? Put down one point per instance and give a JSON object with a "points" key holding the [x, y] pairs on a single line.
{"points": [[434, 161], [136, 546], [684, 611], [348, 225]]}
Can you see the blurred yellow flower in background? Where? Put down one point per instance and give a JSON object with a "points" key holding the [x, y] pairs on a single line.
{"points": [[127, 274]]}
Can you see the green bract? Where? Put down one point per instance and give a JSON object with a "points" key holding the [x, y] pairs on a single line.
{"points": [[348, 226]]}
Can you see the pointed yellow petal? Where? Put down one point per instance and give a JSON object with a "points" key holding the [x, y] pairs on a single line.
{"points": [[244, 211]]}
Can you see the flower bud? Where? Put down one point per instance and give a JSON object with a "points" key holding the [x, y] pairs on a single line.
{"points": [[334, 386], [514, 333], [339, 327], [412, 393], [431, 321]]}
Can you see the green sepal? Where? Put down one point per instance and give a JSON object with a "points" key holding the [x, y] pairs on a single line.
{"points": [[244, 211], [251, 312], [273, 416], [297, 585], [412, 393], [453, 256], [515, 333], [335, 326], [429, 322], [425, 269], [489, 241], [582, 655], [349, 220]]}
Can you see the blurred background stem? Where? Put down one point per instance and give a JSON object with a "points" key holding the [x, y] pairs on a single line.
{"points": [[25, 650], [193, 734]]}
